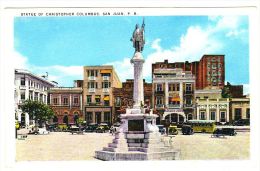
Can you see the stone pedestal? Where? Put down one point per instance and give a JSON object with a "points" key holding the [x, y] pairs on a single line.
{"points": [[138, 139]]}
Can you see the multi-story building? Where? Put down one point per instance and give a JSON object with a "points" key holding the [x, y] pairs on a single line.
{"points": [[67, 103], [123, 97], [209, 71], [233, 91], [173, 94], [32, 87], [211, 106], [97, 93], [239, 108]]}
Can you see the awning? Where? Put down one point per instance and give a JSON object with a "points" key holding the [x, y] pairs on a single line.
{"points": [[106, 98], [105, 71], [175, 99], [97, 96]]}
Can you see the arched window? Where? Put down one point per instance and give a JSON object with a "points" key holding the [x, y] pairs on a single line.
{"points": [[66, 119], [76, 117], [55, 119]]}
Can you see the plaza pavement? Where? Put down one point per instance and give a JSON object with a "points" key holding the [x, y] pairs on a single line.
{"points": [[60, 146]]}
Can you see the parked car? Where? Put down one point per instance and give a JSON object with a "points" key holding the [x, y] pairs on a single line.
{"points": [[91, 127], [187, 130], [102, 128], [172, 130], [75, 130], [242, 122], [162, 129], [229, 131], [42, 131]]}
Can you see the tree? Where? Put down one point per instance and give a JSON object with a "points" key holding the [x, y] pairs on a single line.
{"points": [[37, 111]]}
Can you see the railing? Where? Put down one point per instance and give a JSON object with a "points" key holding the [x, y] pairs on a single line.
{"points": [[22, 87], [94, 104], [188, 105], [91, 90], [188, 92], [105, 90], [92, 78], [106, 78], [174, 105], [159, 106], [159, 92]]}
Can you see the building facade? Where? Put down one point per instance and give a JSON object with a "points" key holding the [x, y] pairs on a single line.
{"points": [[97, 93], [211, 106], [29, 86], [209, 71], [67, 103], [123, 97], [173, 94], [240, 108]]}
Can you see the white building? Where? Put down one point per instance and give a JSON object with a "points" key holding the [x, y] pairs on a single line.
{"points": [[29, 86], [173, 94], [211, 106]]}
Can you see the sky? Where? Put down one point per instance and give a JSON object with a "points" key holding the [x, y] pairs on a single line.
{"points": [[61, 46]]}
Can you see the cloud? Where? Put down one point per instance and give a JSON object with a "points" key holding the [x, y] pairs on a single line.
{"points": [[124, 69], [64, 75], [194, 43]]}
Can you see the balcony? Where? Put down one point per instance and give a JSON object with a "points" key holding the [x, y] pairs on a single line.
{"points": [[105, 90], [174, 106], [188, 106], [94, 104], [188, 92], [159, 92], [22, 87], [91, 90], [91, 78], [159, 106], [106, 78]]}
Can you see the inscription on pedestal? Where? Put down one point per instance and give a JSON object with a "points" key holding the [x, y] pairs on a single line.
{"points": [[135, 125]]}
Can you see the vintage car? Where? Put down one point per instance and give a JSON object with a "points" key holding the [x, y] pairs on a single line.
{"points": [[187, 130], [229, 131], [172, 130], [102, 128], [242, 122], [91, 127], [75, 130]]}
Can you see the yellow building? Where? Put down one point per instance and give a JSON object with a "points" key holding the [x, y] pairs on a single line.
{"points": [[240, 108], [97, 93]]}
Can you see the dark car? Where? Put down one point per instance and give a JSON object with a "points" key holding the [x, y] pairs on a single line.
{"points": [[229, 131], [242, 122], [187, 130], [91, 127], [102, 128], [75, 130]]}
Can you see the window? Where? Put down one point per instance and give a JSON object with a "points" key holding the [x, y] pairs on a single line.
{"points": [[76, 100], [36, 96], [107, 117], [158, 100], [188, 87], [23, 80], [188, 101], [30, 95], [65, 101], [248, 113], [55, 101], [202, 116], [106, 100], [92, 85], [238, 114], [212, 115], [89, 98], [22, 94], [89, 117], [177, 87], [97, 98], [118, 101], [222, 116], [159, 87], [106, 84]]}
